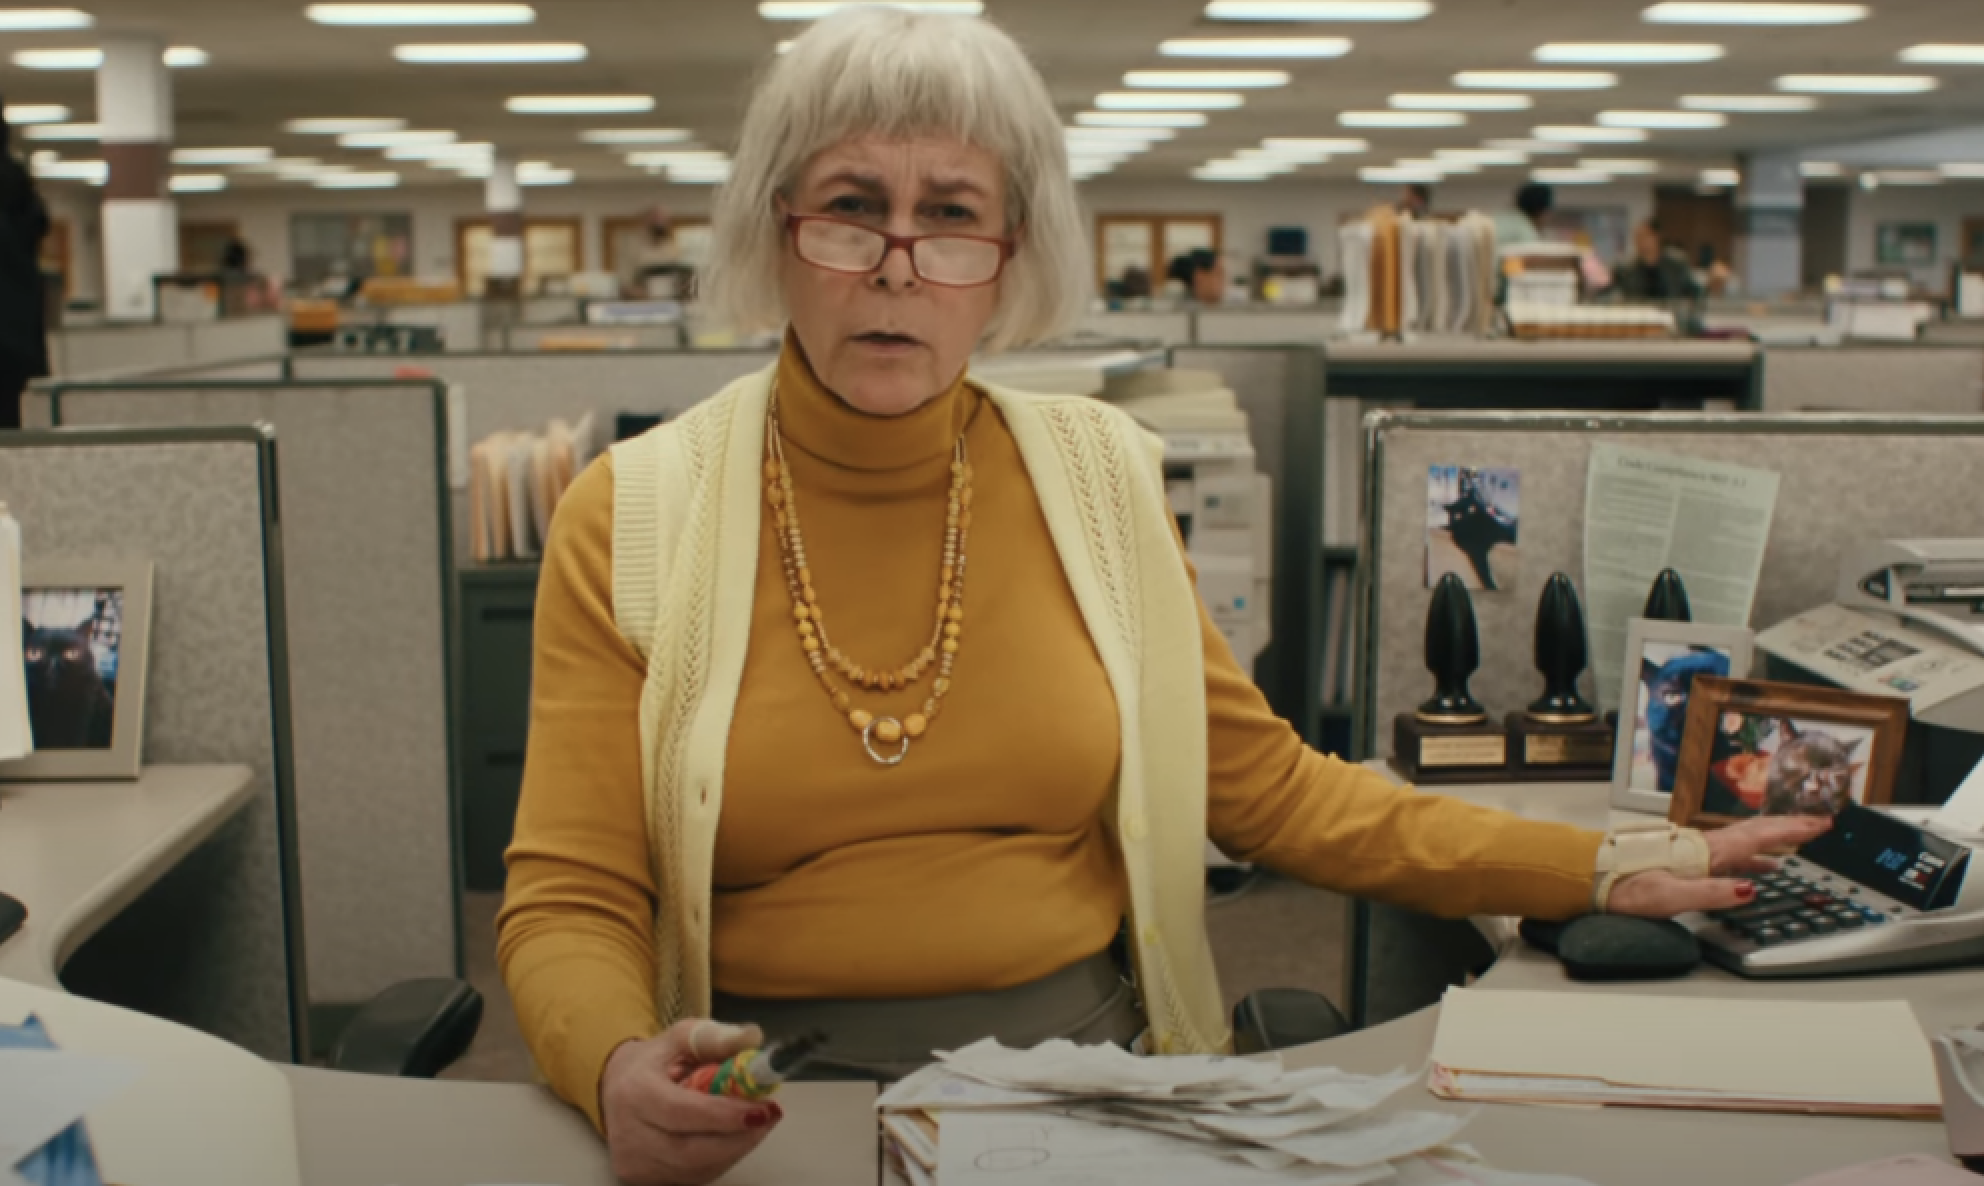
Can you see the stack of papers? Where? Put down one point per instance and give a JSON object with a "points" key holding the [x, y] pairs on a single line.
{"points": [[1102, 1116], [515, 482], [1864, 1058], [44, 1093]]}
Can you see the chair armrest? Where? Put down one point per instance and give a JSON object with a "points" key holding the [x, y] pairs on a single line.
{"points": [[1278, 1018], [413, 1030]]}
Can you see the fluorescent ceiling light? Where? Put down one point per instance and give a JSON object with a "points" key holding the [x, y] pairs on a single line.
{"points": [[1401, 119], [1213, 79], [1393, 175], [1256, 165], [1169, 101], [1569, 176], [1948, 55], [1437, 165], [686, 157], [95, 172], [178, 57], [680, 177], [1749, 104], [358, 181], [813, 10], [1141, 119], [547, 177], [1318, 10], [1462, 102], [478, 151], [1536, 80], [1578, 134], [395, 139], [1333, 147], [1482, 156], [1662, 119], [1255, 47], [21, 115], [1714, 13], [28, 20], [1205, 174], [341, 126], [1534, 147], [284, 164], [1858, 84], [579, 104], [1626, 52], [222, 156], [548, 51], [1620, 166], [65, 132], [421, 14], [1119, 135], [1721, 177], [1270, 154], [44, 157], [1909, 177], [1821, 169], [197, 183], [636, 136], [1969, 170]]}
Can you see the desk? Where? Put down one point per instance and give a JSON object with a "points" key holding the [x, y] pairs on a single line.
{"points": [[77, 853]]}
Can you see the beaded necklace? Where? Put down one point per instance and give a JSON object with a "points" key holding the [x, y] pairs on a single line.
{"points": [[810, 622]]}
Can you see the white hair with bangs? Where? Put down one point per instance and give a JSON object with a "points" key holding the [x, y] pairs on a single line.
{"points": [[889, 72]]}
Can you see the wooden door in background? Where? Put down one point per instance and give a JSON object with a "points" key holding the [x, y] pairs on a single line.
{"points": [[1150, 242], [552, 247], [623, 238], [202, 245], [1692, 221], [58, 255]]}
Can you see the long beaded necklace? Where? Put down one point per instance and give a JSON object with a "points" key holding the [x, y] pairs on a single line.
{"points": [[811, 624]]}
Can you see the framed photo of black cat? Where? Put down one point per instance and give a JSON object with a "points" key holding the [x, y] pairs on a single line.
{"points": [[1662, 661], [85, 642], [1754, 747]]}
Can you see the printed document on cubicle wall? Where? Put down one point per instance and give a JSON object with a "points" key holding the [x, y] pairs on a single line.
{"points": [[1646, 511]]}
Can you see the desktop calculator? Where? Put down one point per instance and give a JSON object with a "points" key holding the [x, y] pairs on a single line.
{"points": [[1874, 894]]}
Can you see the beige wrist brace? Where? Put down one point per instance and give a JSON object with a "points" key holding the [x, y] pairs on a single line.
{"points": [[1642, 848]]}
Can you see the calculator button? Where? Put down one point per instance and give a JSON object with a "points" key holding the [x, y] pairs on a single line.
{"points": [[1850, 920], [1761, 910], [1796, 930], [1771, 895], [1808, 914], [1816, 899], [1824, 926], [1765, 936]]}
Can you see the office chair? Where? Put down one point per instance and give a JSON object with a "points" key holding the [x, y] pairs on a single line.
{"points": [[413, 1030]]}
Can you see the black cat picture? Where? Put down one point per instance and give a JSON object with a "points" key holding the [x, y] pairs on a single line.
{"points": [[69, 704], [1473, 523]]}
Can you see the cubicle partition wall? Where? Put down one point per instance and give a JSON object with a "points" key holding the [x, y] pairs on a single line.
{"points": [[102, 351], [1172, 328], [217, 943], [366, 546], [1905, 379], [1237, 327], [1844, 480]]}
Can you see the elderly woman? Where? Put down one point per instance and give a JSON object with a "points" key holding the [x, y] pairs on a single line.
{"points": [[872, 697]]}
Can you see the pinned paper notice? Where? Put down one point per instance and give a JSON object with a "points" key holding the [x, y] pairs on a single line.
{"points": [[1964, 813]]}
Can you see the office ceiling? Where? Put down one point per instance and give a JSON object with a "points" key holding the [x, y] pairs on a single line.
{"points": [[269, 64]]}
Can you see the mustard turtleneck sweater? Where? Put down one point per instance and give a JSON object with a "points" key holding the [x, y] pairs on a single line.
{"points": [[983, 860]]}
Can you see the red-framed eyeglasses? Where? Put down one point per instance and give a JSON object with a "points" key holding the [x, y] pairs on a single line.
{"points": [[950, 261]]}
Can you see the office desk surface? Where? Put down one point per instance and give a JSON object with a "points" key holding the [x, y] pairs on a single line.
{"points": [[76, 853], [363, 1130], [1479, 351]]}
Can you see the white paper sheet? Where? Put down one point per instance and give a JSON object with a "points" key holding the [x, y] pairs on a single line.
{"points": [[1069, 1069], [1964, 812], [1001, 1148], [1646, 511], [1443, 1171], [1374, 1140], [16, 739], [43, 1092]]}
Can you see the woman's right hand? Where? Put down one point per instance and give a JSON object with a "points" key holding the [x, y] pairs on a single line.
{"points": [[661, 1133]]}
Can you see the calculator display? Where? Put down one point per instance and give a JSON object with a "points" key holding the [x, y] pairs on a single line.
{"points": [[1914, 867]]}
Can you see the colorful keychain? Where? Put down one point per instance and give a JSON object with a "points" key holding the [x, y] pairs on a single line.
{"points": [[755, 1074]]}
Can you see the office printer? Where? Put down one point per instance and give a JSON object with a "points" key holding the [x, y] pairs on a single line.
{"points": [[1907, 620]]}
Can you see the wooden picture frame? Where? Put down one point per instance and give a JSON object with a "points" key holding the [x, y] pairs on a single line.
{"points": [[103, 610], [1634, 786], [1733, 754]]}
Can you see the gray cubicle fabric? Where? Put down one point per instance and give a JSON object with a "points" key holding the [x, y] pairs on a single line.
{"points": [[1844, 480], [210, 944], [1942, 380], [364, 537], [1281, 390], [1234, 327], [1167, 328]]}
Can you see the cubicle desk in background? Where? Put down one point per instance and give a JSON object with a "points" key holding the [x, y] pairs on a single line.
{"points": [[100, 351], [1843, 480], [1469, 373], [1945, 379]]}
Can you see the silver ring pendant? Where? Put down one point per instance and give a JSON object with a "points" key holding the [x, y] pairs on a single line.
{"points": [[868, 743]]}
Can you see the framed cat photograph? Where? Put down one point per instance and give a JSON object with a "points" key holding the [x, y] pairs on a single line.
{"points": [[1662, 661], [1753, 747], [85, 640]]}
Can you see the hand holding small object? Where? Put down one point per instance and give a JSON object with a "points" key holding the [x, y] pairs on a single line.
{"points": [[660, 1130], [1734, 852]]}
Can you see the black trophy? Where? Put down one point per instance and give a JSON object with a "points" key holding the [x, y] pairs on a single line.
{"points": [[1667, 601], [1450, 738], [1559, 736]]}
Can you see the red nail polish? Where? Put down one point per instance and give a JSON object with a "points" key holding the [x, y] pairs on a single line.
{"points": [[1746, 890], [778, 1113], [758, 1118]]}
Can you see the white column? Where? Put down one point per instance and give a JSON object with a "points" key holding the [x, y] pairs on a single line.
{"points": [[505, 200], [140, 223], [1769, 232]]}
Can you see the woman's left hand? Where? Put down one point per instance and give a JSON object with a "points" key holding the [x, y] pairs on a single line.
{"points": [[1733, 851]]}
